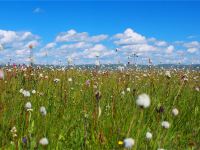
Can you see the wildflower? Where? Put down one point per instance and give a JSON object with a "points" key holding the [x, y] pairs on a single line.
{"points": [[121, 68], [70, 79], [56, 80], [21, 90], [69, 61], [168, 74], [1, 75], [128, 89], [128, 142], [87, 82], [197, 89], [28, 106], [98, 95], [44, 141], [97, 63], [123, 93], [43, 111], [26, 93], [165, 124], [161, 149], [33, 91], [143, 100], [41, 75], [175, 111], [24, 140], [160, 109], [149, 135], [184, 77], [13, 130]]}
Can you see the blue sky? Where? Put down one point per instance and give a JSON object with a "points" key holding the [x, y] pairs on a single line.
{"points": [[166, 32]]}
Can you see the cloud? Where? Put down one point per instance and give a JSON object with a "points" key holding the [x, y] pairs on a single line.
{"points": [[37, 10], [84, 48], [192, 46], [160, 43], [170, 49], [129, 37], [74, 36], [97, 50], [131, 42], [15, 44], [50, 45]]}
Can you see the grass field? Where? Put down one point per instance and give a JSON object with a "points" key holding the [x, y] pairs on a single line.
{"points": [[85, 109]]}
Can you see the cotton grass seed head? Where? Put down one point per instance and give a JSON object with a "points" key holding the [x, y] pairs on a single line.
{"points": [[33, 91], [28, 106], [26, 93], [43, 111], [143, 100], [175, 111], [44, 141], [129, 142], [165, 124], [149, 135]]}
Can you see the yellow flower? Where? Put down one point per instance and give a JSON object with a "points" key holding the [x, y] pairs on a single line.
{"points": [[120, 142]]}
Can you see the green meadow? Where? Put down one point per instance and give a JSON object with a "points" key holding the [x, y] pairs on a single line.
{"points": [[95, 110]]}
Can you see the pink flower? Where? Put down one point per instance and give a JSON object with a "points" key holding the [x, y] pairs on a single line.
{"points": [[1, 75]]}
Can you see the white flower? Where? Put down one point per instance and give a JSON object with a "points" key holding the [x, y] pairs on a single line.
{"points": [[44, 141], [128, 89], [70, 79], [21, 90], [175, 111], [13, 130], [149, 135], [161, 149], [165, 124], [41, 75], [123, 93], [28, 106], [43, 111], [143, 100], [26, 93], [129, 142], [33, 91], [197, 89], [167, 74]]}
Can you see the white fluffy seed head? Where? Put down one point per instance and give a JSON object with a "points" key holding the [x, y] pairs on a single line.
{"points": [[70, 79], [43, 111], [33, 91], [175, 111], [28, 105], [44, 141], [165, 124], [128, 89], [143, 100], [149, 135], [168, 74], [129, 142], [26, 93]]}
